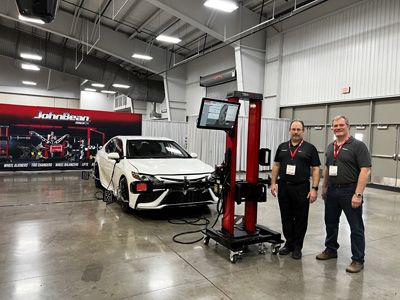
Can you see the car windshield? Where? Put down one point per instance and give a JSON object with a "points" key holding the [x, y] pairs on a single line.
{"points": [[154, 149]]}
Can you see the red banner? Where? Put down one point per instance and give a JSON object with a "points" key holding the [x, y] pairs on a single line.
{"points": [[37, 137]]}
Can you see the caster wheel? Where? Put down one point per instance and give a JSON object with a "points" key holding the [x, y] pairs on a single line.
{"points": [[206, 240], [233, 258], [275, 249]]}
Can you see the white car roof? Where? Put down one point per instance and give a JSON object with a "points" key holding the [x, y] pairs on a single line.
{"points": [[139, 137]]}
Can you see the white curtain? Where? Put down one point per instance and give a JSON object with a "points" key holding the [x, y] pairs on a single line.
{"points": [[210, 144], [173, 130]]}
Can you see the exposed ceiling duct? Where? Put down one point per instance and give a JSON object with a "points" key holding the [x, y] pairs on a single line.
{"points": [[62, 59]]}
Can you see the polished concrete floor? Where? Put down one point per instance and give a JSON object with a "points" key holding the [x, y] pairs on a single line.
{"points": [[59, 242]]}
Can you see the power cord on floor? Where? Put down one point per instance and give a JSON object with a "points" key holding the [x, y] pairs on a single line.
{"points": [[195, 222]]}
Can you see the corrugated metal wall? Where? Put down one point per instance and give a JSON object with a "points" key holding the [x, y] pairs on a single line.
{"points": [[357, 47]]}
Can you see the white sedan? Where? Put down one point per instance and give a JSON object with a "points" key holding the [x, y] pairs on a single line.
{"points": [[152, 173]]}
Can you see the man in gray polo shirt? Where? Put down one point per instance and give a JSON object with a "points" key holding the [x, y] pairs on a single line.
{"points": [[346, 174]]}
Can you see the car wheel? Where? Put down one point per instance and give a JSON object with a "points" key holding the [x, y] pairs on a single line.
{"points": [[124, 194], [97, 182]]}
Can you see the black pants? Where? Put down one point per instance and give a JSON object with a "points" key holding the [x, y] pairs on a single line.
{"points": [[339, 199], [294, 207]]}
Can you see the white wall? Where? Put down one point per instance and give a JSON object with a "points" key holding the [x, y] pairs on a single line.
{"points": [[96, 101], [175, 92], [38, 101], [358, 47], [52, 84], [211, 63]]}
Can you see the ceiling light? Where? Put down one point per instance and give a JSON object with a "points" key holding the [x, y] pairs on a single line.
{"points": [[168, 39], [223, 5], [141, 56], [33, 20], [30, 56], [100, 85], [29, 82], [108, 92], [30, 67], [121, 86], [90, 90]]}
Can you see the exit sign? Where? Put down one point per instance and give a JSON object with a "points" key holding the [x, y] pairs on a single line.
{"points": [[345, 90]]}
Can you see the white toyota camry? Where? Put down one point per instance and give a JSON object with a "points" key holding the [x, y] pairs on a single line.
{"points": [[152, 173]]}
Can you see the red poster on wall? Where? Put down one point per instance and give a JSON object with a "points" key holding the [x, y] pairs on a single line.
{"points": [[37, 138]]}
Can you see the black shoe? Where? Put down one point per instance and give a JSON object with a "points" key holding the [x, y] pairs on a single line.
{"points": [[285, 250], [296, 254]]}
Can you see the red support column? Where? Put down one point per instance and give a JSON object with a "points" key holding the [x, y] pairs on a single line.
{"points": [[228, 219], [253, 147]]}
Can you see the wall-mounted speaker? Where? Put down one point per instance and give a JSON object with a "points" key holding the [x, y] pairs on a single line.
{"points": [[39, 9]]}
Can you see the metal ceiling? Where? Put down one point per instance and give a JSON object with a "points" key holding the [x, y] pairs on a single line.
{"points": [[140, 21]]}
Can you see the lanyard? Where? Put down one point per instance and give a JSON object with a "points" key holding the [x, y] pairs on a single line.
{"points": [[293, 154], [336, 148]]}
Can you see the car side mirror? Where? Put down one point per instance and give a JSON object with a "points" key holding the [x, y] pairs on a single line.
{"points": [[100, 147], [194, 155], [113, 156]]}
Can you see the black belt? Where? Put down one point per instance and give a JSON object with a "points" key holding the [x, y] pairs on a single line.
{"points": [[342, 185], [292, 183]]}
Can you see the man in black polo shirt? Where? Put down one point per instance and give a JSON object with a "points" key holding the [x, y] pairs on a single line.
{"points": [[347, 169], [293, 161]]}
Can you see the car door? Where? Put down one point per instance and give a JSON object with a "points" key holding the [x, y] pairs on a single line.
{"points": [[106, 164]]}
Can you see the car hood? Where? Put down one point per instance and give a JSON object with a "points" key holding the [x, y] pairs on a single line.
{"points": [[172, 166]]}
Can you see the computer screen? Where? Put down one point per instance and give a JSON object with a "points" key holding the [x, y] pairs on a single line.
{"points": [[218, 114]]}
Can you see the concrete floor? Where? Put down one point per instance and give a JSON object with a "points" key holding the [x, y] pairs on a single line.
{"points": [[59, 242]]}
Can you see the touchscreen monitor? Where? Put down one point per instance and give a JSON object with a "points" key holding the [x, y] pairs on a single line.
{"points": [[218, 114]]}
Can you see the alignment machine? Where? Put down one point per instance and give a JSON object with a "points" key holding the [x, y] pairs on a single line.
{"points": [[222, 115]]}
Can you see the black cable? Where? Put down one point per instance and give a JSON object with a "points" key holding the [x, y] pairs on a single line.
{"points": [[193, 222], [261, 13], [112, 176]]}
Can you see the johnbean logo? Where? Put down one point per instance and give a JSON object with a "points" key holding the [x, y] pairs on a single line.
{"points": [[63, 117]]}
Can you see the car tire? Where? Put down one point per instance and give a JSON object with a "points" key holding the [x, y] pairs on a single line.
{"points": [[124, 193], [97, 182]]}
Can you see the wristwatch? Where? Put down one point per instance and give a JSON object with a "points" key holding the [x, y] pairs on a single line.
{"points": [[358, 195], [315, 188]]}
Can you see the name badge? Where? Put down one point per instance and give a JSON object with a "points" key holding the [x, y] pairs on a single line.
{"points": [[332, 170], [290, 169]]}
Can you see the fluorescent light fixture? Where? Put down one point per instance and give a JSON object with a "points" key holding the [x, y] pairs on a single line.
{"points": [[29, 82], [168, 39], [223, 5], [360, 127], [108, 92], [30, 56], [142, 56], [84, 81], [90, 90], [30, 67], [121, 86], [100, 85], [33, 20]]}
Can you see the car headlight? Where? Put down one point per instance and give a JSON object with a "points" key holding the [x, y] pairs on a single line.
{"points": [[137, 176]]}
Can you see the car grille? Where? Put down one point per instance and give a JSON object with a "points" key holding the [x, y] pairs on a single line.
{"points": [[148, 197], [177, 197]]}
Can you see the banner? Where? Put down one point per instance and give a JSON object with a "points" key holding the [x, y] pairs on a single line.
{"points": [[44, 138]]}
